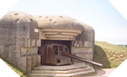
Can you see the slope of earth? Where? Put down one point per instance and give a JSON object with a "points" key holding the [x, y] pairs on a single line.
{"points": [[111, 56]]}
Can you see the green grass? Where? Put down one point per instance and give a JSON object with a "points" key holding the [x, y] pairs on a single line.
{"points": [[111, 46], [111, 56]]}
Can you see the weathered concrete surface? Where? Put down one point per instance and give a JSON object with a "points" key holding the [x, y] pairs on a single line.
{"points": [[56, 21], [59, 33], [21, 35], [74, 70], [16, 28], [83, 40], [102, 72]]}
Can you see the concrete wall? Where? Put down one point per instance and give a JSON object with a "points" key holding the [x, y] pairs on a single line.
{"points": [[18, 40], [83, 46], [20, 37]]}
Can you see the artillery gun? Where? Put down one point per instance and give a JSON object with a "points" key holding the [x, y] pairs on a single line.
{"points": [[57, 54]]}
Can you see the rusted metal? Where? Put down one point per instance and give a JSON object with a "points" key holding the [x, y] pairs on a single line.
{"points": [[51, 55], [41, 51], [57, 54], [81, 59]]}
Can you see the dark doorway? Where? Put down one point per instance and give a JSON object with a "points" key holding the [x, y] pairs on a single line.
{"points": [[63, 42], [43, 50]]}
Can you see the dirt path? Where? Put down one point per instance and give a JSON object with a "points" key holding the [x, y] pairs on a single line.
{"points": [[101, 73]]}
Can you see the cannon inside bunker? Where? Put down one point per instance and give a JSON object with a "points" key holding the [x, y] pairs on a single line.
{"points": [[31, 42], [58, 54]]}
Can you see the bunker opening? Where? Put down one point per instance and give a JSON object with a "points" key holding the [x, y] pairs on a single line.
{"points": [[50, 52], [56, 52]]}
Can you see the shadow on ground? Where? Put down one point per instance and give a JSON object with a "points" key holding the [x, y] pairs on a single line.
{"points": [[101, 57]]}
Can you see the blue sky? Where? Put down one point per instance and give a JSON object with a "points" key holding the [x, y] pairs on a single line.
{"points": [[108, 23]]}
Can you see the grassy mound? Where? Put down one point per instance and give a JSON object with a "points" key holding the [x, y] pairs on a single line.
{"points": [[111, 56]]}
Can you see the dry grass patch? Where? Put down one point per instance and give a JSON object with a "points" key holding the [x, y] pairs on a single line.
{"points": [[111, 56]]}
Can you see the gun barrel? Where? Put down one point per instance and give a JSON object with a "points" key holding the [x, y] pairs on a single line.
{"points": [[81, 59]]}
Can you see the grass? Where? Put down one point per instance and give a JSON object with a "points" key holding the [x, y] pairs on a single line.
{"points": [[111, 56], [111, 46]]}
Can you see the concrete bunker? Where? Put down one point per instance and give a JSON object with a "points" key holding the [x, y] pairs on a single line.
{"points": [[21, 36]]}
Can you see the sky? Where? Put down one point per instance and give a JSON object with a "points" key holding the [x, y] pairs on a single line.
{"points": [[121, 6], [109, 24]]}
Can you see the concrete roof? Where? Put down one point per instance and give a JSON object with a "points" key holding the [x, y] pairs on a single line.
{"points": [[14, 16], [58, 21], [46, 21]]}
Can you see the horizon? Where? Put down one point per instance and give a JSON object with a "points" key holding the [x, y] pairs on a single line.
{"points": [[108, 23]]}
